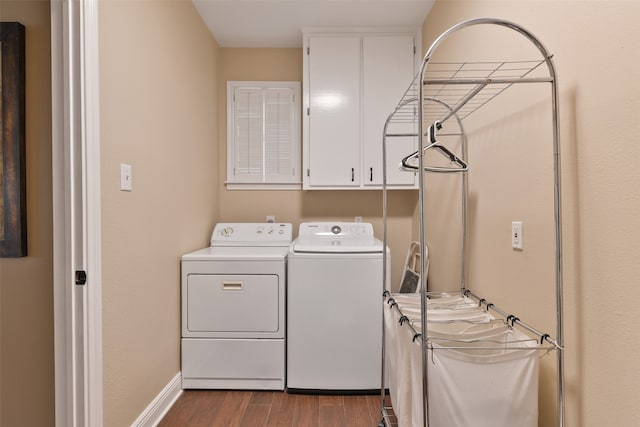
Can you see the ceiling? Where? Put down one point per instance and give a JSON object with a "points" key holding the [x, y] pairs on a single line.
{"points": [[279, 23]]}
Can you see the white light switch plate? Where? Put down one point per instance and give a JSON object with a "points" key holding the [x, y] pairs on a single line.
{"points": [[125, 177]]}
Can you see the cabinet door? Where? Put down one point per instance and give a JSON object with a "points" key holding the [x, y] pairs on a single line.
{"points": [[333, 150], [388, 68]]}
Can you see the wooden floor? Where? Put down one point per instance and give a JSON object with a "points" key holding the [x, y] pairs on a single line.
{"points": [[266, 408]]}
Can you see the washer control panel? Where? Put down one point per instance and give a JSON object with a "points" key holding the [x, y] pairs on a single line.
{"points": [[251, 234], [336, 229]]}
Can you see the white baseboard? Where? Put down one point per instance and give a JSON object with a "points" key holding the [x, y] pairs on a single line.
{"points": [[158, 408]]}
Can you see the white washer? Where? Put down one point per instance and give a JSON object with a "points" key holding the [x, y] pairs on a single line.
{"points": [[233, 308], [334, 308]]}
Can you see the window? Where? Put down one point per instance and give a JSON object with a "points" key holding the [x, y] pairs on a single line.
{"points": [[263, 135]]}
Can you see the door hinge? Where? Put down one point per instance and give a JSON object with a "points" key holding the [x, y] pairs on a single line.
{"points": [[308, 50], [308, 111], [308, 172], [81, 277]]}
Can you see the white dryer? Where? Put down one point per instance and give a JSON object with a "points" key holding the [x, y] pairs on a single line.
{"points": [[233, 308], [334, 308]]}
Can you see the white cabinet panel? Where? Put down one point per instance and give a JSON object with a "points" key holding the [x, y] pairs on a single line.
{"points": [[334, 111], [351, 83], [387, 67]]}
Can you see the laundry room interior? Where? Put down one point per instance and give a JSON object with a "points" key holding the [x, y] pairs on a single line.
{"points": [[162, 78]]}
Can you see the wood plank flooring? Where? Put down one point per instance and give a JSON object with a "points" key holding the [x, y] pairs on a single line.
{"points": [[221, 408]]}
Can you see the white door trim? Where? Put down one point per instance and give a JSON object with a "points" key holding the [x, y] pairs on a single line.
{"points": [[76, 212]]}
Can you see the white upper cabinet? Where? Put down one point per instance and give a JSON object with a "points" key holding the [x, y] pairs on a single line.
{"points": [[387, 67], [333, 155], [351, 82]]}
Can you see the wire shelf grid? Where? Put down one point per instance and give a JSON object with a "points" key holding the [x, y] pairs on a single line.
{"points": [[463, 86]]}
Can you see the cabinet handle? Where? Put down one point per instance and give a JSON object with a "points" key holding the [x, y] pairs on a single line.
{"points": [[371, 174], [352, 175]]}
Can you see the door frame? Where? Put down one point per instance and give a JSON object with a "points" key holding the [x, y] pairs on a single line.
{"points": [[76, 213]]}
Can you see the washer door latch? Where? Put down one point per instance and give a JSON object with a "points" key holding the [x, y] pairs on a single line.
{"points": [[81, 277]]}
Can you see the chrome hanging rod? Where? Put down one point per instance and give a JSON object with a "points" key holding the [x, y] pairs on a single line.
{"points": [[416, 135], [487, 81]]}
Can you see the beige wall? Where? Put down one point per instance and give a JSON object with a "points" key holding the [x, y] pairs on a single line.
{"points": [[158, 89], [163, 112], [595, 45], [26, 284], [300, 206]]}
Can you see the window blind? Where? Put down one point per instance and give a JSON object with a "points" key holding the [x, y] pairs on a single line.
{"points": [[265, 142]]}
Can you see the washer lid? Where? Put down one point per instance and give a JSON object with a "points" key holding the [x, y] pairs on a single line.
{"points": [[342, 237]]}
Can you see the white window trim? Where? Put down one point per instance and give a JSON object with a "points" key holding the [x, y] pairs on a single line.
{"points": [[295, 180]]}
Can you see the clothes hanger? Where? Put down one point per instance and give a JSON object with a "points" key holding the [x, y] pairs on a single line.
{"points": [[461, 165]]}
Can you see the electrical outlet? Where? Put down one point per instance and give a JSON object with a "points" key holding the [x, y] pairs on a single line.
{"points": [[516, 235]]}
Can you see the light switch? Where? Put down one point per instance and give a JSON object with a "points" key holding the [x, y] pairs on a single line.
{"points": [[125, 177]]}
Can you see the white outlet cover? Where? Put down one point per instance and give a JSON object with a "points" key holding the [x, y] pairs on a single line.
{"points": [[516, 235]]}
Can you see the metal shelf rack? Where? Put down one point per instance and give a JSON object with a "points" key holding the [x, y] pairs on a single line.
{"points": [[450, 92]]}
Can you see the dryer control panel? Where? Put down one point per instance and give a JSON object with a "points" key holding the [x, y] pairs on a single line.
{"points": [[251, 234]]}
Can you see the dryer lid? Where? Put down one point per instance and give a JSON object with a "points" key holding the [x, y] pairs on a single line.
{"points": [[238, 253]]}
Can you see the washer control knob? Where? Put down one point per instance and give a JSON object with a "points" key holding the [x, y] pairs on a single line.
{"points": [[227, 231], [336, 229]]}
